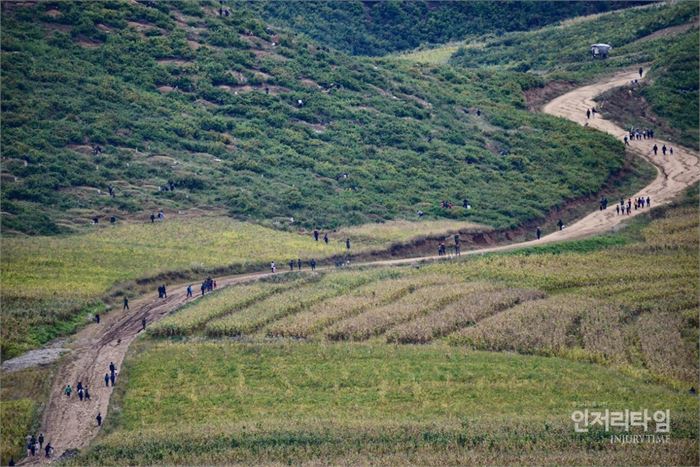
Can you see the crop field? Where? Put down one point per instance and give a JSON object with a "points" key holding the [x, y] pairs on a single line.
{"points": [[296, 402], [472, 360], [629, 300]]}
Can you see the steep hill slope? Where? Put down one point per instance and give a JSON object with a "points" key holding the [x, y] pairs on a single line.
{"points": [[379, 27], [191, 108]]}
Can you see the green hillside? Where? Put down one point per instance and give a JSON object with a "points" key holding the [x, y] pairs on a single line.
{"points": [[380, 27], [179, 97], [666, 35]]}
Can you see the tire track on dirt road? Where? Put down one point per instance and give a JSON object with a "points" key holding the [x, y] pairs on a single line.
{"points": [[70, 424]]}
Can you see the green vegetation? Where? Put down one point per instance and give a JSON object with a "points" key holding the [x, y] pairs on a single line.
{"points": [[562, 51], [618, 312], [378, 28], [673, 92], [657, 34], [174, 93], [296, 402], [22, 396]]}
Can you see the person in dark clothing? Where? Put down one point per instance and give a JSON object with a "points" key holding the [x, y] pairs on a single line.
{"points": [[41, 440], [299, 264], [99, 419], [107, 379], [160, 291], [539, 233], [561, 223], [81, 394], [97, 318], [112, 220], [663, 149], [291, 265], [313, 264], [12, 462], [165, 293], [641, 71], [617, 210], [112, 378], [670, 150], [143, 323], [203, 288], [32, 448], [112, 368], [189, 291], [153, 218], [48, 450], [95, 220], [347, 243], [316, 235], [655, 149], [126, 304], [325, 238], [87, 394], [588, 113], [648, 202]]}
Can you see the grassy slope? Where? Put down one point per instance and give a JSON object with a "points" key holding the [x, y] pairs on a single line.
{"points": [[265, 401], [561, 52], [298, 402], [80, 74], [378, 28]]}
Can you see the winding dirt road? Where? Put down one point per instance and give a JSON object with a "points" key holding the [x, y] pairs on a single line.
{"points": [[70, 424]]}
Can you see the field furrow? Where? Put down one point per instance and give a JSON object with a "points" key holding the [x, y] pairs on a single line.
{"points": [[376, 321], [254, 317], [484, 301]]}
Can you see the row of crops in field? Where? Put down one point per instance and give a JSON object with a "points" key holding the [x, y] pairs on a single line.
{"points": [[634, 303]]}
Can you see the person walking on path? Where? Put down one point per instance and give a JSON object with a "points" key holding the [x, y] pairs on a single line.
{"points": [[347, 243], [313, 264], [107, 379], [99, 419], [68, 390], [663, 149], [291, 265], [41, 440], [539, 233], [189, 291], [655, 149], [315, 234], [48, 450], [126, 304], [588, 113], [561, 223], [97, 318], [87, 394], [143, 323], [641, 71], [325, 238], [299, 264]]}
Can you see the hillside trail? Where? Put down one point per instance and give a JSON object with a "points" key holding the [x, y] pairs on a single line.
{"points": [[70, 424]]}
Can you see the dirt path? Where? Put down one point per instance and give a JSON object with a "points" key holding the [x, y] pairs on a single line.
{"points": [[70, 424]]}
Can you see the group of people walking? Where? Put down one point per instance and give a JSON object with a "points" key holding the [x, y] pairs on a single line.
{"points": [[638, 203], [442, 248], [664, 150], [36, 444]]}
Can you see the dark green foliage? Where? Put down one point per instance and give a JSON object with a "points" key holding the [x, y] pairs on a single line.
{"points": [[380, 27], [226, 128], [673, 93], [563, 51]]}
